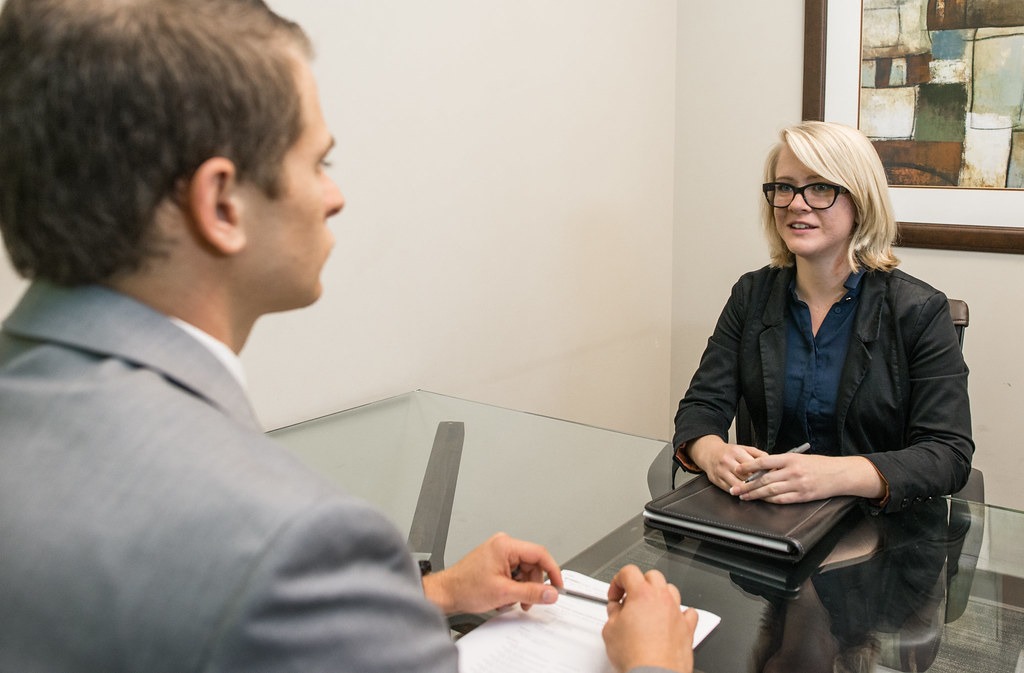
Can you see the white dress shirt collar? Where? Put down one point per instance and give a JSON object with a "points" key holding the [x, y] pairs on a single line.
{"points": [[219, 349]]}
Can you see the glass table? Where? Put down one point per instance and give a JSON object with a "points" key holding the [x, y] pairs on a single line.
{"points": [[939, 587], [562, 484]]}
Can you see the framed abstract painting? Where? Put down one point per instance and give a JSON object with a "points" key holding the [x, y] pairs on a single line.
{"points": [[938, 86]]}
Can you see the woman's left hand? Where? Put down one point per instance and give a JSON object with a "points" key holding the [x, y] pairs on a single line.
{"points": [[795, 477]]}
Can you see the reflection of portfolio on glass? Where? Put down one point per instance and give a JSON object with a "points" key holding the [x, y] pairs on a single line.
{"points": [[701, 510]]}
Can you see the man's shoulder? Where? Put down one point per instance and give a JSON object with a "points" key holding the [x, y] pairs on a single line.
{"points": [[94, 337], [176, 503]]}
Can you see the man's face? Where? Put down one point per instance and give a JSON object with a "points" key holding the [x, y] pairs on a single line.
{"points": [[287, 237]]}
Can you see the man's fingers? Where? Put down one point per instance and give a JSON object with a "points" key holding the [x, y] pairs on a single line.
{"points": [[530, 593], [628, 575]]}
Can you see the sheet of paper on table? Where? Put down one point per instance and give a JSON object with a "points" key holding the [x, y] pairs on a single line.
{"points": [[560, 638]]}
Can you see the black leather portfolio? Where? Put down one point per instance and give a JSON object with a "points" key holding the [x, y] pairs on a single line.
{"points": [[700, 510], [755, 573]]}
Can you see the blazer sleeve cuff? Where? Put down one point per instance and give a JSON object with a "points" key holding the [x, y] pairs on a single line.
{"points": [[883, 502], [682, 459]]}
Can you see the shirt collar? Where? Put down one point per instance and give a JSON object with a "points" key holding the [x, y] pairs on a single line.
{"points": [[219, 349], [852, 283]]}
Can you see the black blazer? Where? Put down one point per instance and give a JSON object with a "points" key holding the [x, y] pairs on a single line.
{"points": [[902, 394]]}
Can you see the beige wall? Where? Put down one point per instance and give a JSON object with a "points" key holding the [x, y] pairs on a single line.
{"points": [[508, 230], [508, 169], [523, 230], [728, 115]]}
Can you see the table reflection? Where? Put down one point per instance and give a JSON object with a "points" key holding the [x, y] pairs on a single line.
{"points": [[875, 594], [879, 596]]}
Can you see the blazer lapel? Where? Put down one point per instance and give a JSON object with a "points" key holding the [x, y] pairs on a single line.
{"points": [[772, 344], [98, 320], [865, 332]]}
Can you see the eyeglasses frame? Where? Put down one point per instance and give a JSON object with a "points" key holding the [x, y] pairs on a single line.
{"points": [[771, 186]]}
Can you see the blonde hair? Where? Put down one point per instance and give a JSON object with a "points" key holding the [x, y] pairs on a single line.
{"points": [[844, 156]]}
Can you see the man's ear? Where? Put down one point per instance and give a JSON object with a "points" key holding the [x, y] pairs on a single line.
{"points": [[214, 206]]}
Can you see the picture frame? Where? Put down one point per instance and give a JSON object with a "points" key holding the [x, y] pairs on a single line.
{"points": [[940, 218]]}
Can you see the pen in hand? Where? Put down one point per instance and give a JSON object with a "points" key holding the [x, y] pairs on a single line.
{"points": [[760, 473], [581, 594]]}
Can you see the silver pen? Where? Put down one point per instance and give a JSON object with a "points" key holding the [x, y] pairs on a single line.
{"points": [[760, 473], [585, 596]]}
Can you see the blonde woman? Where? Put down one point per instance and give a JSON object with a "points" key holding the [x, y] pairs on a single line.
{"points": [[830, 345]]}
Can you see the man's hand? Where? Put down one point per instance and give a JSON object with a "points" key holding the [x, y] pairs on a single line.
{"points": [[647, 628], [502, 571]]}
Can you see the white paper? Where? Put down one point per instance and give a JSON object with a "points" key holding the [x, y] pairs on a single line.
{"points": [[561, 638]]}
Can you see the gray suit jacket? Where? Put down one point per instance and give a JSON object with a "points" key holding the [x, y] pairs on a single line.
{"points": [[147, 525]]}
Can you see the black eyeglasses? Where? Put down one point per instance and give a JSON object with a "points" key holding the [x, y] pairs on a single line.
{"points": [[817, 195]]}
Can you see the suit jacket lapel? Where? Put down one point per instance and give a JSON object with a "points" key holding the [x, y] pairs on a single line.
{"points": [[865, 331], [101, 321], [772, 343]]}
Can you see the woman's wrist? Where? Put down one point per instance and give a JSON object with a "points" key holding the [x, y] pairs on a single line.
{"points": [[699, 448]]}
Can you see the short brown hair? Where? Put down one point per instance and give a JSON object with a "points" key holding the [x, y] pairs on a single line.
{"points": [[106, 105], [843, 156]]}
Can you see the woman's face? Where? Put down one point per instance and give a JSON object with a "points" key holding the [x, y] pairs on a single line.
{"points": [[813, 235]]}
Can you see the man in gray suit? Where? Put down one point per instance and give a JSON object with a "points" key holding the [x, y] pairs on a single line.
{"points": [[162, 184]]}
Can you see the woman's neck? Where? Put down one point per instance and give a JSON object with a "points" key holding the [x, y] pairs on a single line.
{"points": [[821, 283]]}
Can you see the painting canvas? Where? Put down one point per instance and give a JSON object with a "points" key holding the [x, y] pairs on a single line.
{"points": [[942, 91]]}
